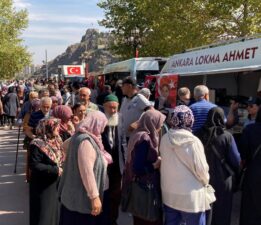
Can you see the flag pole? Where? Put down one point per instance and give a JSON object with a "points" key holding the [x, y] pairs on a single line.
{"points": [[46, 64]]}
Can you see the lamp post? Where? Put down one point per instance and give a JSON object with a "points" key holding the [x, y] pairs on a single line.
{"points": [[134, 40], [46, 64], [86, 57]]}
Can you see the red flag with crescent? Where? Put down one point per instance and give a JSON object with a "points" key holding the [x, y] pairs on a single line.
{"points": [[75, 70]]}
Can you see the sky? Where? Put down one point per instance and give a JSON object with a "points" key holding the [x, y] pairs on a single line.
{"points": [[56, 24]]}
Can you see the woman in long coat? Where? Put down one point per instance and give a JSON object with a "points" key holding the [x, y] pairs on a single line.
{"points": [[184, 172], [250, 213], [224, 161], [11, 105], [143, 159], [45, 162]]}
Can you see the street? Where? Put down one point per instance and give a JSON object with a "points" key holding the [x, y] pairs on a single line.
{"points": [[14, 191]]}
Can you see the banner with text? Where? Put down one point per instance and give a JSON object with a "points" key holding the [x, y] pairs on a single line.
{"points": [[235, 57]]}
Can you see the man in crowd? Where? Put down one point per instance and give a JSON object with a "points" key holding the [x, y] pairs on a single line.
{"points": [[44, 112], [184, 96], [133, 105], [113, 141], [84, 97], [201, 107]]}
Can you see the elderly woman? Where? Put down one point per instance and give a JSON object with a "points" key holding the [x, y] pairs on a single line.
{"points": [[184, 172], [64, 113], [84, 182], [79, 113], [143, 160], [46, 159], [224, 161]]}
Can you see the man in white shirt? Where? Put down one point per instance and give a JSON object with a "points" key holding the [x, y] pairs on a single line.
{"points": [[133, 105]]}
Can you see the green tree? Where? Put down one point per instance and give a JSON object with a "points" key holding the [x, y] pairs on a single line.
{"points": [[168, 27], [13, 55]]}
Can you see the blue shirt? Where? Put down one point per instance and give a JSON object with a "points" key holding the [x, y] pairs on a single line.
{"points": [[200, 111]]}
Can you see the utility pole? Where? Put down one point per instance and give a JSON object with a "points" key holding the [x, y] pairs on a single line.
{"points": [[46, 64]]}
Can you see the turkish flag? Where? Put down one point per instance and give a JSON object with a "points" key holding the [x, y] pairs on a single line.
{"points": [[75, 70]]}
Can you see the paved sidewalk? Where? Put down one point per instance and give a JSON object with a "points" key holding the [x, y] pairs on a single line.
{"points": [[13, 188], [14, 191]]}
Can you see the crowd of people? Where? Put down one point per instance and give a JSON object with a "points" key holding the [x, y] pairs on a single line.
{"points": [[93, 153]]}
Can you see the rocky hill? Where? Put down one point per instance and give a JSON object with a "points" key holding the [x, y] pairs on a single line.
{"points": [[93, 49]]}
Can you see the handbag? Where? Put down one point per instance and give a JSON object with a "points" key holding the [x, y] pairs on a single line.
{"points": [[142, 200], [232, 180]]}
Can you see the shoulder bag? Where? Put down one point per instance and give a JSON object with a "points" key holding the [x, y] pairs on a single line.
{"points": [[243, 171]]}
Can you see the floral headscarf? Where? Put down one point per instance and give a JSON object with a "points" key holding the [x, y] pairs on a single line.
{"points": [[52, 147], [93, 124], [181, 118]]}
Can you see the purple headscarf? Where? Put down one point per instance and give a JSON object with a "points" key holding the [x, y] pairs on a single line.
{"points": [[148, 126], [181, 118]]}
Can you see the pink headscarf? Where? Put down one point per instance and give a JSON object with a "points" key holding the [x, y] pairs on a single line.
{"points": [[64, 113], [93, 124]]}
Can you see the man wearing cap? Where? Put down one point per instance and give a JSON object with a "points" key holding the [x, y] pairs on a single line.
{"points": [[253, 104], [133, 105], [113, 142]]}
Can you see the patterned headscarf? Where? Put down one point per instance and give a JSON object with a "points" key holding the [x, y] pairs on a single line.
{"points": [[181, 118], [93, 124], [47, 143]]}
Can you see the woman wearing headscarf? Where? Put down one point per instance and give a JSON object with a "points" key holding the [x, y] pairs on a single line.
{"points": [[11, 105], [84, 184], [184, 171], [35, 106], [79, 113], [143, 159], [250, 213], [64, 113], [45, 162], [224, 162]]}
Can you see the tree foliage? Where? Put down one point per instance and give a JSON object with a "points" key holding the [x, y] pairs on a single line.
{"points": [[13, 55], [167, 27]]}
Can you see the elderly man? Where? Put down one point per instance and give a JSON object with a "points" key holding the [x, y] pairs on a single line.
{"points": [[201, 107], [133, 105], [184, 96], [113, 142], [44, 112], [84, 97]]}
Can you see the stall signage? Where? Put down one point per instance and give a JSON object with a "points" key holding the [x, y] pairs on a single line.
{"points": [[228, 58]]}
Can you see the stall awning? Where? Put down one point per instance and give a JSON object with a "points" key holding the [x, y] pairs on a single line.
{"points": [[140, 64]]}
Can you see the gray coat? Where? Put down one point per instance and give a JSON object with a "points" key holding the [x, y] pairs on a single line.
{"points": [[11, 104]]}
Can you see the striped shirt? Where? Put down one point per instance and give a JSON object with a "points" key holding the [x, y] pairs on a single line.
{"points": [[200, 111]]}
